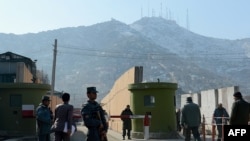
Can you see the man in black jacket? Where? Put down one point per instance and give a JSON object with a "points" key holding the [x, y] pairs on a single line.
{"points": [[240, 111], [127, 125]]}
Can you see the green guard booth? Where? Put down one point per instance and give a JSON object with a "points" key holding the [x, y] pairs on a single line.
{"points": [[157, 99], [18, 102]]}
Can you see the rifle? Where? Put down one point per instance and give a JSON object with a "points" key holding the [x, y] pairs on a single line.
{"points": [[102, 135]]}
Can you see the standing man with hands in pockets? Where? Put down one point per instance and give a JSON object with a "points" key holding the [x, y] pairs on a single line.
{"points": [[94, 117], [191, 120]]}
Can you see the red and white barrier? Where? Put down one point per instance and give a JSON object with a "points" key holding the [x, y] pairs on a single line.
{"points": [[146, 127], [146, 121], [129, 116]]}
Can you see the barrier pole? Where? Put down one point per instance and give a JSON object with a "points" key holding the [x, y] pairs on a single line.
{"points": [[222, 130], [213, 129], [146, 127], [203, 128]]}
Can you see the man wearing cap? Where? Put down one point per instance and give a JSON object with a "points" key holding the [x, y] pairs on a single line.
{"points": [[126, 122], [43, 118], [191, 120], [94, 117], [240, 111]]}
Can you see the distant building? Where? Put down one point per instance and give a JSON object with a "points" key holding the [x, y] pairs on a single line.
{"points": [[16, 68], [20, 94]]}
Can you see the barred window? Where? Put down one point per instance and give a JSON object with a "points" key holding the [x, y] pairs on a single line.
{"points": [[15, 100], [149, 100]]}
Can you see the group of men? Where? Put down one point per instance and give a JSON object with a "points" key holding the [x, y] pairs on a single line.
{"points": [[190, 119], [94, 118], [62, 125]]}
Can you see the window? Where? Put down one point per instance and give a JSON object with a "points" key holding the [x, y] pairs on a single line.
{"points": [[7, 57], [7, 78], [15, 100], [149, 100]]}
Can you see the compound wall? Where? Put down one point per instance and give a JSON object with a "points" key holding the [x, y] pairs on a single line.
{"points": [[208, 101]]}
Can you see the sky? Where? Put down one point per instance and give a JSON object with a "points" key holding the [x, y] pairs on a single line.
{"points": [[225, 19]]}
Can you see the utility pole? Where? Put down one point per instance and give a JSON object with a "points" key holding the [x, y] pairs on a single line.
{"points": [[53, 71]]}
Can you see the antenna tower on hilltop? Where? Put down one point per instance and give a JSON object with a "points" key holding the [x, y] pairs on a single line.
{"points": [[187, 21]]}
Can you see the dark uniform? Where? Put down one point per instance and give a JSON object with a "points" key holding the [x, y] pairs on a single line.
{"points": [[126, 125], [93, 117]]}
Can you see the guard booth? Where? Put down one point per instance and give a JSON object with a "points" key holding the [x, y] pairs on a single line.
{"points": [[158, 99], [18, 102]]}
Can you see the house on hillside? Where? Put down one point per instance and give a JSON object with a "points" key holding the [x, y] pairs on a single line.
{"points": [[17, 68], [20, 94]]}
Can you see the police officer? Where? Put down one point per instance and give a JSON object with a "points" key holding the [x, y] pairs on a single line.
{"points": [[43, 119], [94, 117]]}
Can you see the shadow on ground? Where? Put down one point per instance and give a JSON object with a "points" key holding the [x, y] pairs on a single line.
{"points": [[78, 136]]}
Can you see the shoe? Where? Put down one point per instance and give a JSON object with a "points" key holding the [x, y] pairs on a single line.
{"points": [[129, 138], [123, 138]]}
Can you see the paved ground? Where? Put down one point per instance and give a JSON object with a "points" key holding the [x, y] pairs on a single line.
{"points": [[115, 136], [80, 135]]}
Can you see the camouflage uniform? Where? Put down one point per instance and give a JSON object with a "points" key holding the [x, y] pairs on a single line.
{"points": [[93, 117]]}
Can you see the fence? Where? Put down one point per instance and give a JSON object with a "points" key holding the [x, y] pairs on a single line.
{"points": [[213, 124]]}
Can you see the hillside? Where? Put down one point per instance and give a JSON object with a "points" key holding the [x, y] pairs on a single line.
{"points": [[97, 55]]}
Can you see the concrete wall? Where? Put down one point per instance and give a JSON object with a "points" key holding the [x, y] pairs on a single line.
{"points": [[22, 73], [119, 96], [208, 101], [54, 101]]}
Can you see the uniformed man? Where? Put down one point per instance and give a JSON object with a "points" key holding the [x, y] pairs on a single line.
{"points": [[94, 118], [43, 119], [127, 123]]}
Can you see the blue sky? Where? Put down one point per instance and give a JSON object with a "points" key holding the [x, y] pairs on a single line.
{"points": [[225, 19]]}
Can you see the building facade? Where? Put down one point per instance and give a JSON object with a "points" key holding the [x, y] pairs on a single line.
{"points": [[20, 94]]}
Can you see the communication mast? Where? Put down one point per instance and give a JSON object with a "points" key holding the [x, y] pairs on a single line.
{"points": [[187, 20]]}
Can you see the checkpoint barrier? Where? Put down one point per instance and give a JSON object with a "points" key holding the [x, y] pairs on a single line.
{"points": [[213, 124], [77, 116], [146, 121], [224, 119]]}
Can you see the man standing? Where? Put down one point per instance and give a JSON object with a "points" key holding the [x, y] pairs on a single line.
{"points": [[178, 117], [220, 116], [240, 111], [43, 119], [63, 114], [127, 125], [94, 117], [191, 120]]}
